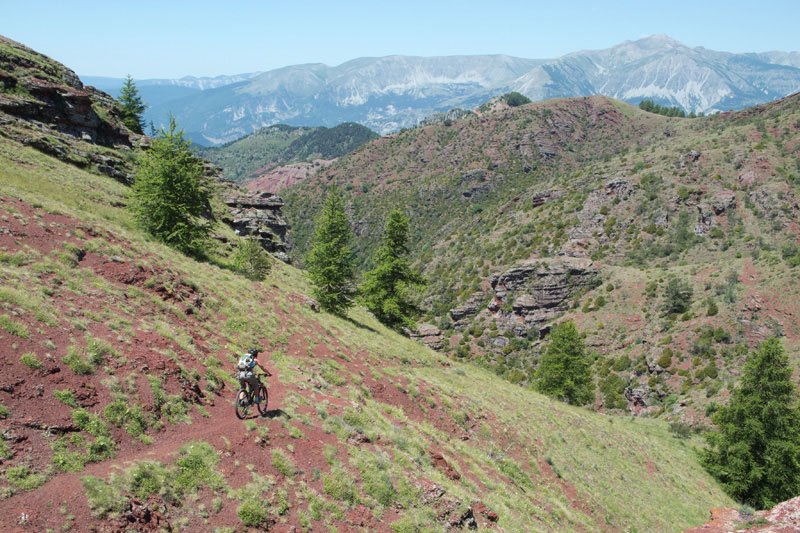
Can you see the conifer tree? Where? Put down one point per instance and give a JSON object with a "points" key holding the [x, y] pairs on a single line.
{"points": [[132, 106], [755, 452], [565, 369], [330, 258], [386, 290], [169, 199]]}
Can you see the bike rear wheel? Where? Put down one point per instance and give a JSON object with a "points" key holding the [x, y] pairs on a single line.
{"points": [[242, 405], [262, 399]]}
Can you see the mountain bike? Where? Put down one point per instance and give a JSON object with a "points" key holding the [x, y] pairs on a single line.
{"points": [[247, 398]]}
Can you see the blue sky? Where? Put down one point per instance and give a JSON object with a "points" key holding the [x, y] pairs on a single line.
{"points": [[173, 38]]}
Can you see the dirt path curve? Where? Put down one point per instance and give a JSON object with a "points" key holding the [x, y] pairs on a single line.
{"points": [[37, 509]]}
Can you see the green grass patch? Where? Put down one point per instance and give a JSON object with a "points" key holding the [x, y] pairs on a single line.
{"points": [[283, 463], [24, 478], [13, 327], [341, 485], [253, 512], [31, 361], [196, 464], [77, 362], [194, 469]]}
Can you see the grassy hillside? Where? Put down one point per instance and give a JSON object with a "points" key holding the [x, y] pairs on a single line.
{"points": [[711, 202], [247, 158], [115, 399]]}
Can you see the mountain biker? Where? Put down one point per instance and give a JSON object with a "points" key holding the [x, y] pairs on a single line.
{"points": [[246, 365]]}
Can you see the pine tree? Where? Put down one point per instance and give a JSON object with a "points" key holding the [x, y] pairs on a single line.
{"points": [[169, 199], [132, 106], [330, 259], [565, 369], [387, 287], [755, 452]]}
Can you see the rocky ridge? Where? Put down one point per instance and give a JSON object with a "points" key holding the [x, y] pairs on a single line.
{"points": [[43, 104]]}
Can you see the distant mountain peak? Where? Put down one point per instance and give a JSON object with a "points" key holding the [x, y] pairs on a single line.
{"points": [[393, 92]]}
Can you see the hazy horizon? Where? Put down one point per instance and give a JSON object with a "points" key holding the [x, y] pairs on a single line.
{"points": [[203, 39]]}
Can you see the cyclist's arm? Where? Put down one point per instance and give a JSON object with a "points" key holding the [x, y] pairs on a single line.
{"points": [[263, 369]]}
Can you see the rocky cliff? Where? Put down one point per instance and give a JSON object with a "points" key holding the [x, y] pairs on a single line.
{"points": [[258, 214], [536, 291], [44, 105]]}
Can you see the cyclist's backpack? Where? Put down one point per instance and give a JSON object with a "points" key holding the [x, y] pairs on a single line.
{"points": [[245, 362]]}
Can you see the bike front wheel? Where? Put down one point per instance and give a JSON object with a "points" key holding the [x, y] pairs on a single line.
{"points": [[242, 405], [262, 399]]}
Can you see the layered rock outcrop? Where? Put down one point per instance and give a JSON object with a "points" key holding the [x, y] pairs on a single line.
{"points": [[460, 314], [44, 105], [429, 335], [258, 214], [539, 290]]}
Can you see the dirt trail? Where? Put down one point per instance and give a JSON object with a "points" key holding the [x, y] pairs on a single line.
{"points": [[40, 505]]}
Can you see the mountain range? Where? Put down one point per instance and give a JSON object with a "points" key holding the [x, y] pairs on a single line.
{"points": [[394, 92]]}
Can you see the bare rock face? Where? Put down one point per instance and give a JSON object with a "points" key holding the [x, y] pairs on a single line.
{"points": [[723, 201], [539, 290], [468, 309], [259, 214], [541, 198], [429, 335]]}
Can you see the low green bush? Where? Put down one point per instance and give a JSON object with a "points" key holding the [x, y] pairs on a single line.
{"points": [[253, 512], [250, 260], [283, 463], [77, 362], [24, 478], [13, 327], [66, 397], [341, 485], [31, 361]]}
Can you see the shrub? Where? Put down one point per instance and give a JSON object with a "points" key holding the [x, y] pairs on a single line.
{"points": [[340, 485], [612, 388], [515, 99], [148, 478], [680, 430], [253, 512], [76, 361], [13, 327], [677, 296], [282, 463], [379, 485], [250, 260], [31, 361], [66, 460], [66, 397], [24, 478], [102, 497], [101, 449], [89, 422], [622, 363], [97, 349], [116, 412], [665, 361]]}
